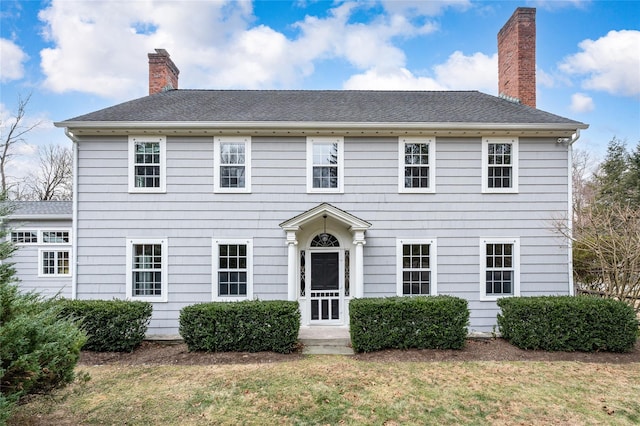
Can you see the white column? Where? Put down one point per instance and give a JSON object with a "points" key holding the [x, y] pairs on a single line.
{"points": [[292, 271], [359, 243]]}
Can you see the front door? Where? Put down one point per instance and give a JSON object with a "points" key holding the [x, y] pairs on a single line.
{"points": [[325, 297]]}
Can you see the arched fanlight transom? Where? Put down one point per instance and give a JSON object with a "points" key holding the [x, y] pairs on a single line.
{"points": [[325, 240]]}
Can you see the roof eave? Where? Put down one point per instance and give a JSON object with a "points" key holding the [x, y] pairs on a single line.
{"points": [[307, 127]]}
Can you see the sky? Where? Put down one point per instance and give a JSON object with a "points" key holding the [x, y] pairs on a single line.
{"points": [[76, 57]]}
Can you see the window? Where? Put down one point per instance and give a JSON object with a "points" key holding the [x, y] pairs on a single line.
{"points": [[500, 165], [232, 164], [499, 268], [55, 237], [147, 269], [24, 237], [416, 267], [416, 164], [147, 164], [54, 263], [325, 164], [232, 269]]}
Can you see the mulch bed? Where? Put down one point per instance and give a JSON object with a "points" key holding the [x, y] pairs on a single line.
{"points": [[154, 353]]}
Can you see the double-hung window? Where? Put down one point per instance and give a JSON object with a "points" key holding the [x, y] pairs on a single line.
{"points": [[416, 164], [416, 267], [147, 269], [232, 164], [500, 165], [232, 269], [54, 262], [325, 164], [500, 268], [147, 164]]}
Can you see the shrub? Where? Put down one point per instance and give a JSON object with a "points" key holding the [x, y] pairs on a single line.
{"points": [[111, 325], [438, 322], [247, 326], [566, 323], [38, 349]]}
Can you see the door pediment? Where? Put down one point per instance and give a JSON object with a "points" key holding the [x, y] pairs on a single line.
{"points": [[348, 220]]}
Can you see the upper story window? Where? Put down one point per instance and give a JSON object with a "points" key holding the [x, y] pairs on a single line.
{"points": [[24, 237], [417, 164], [232, 164], [325, 164], [147, 164], [500, 268], [500, 165], [232, 269], [416, 267], [147, 269]]}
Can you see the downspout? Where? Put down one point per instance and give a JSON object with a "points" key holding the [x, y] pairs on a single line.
{"points": [[74, 220], [570, 143]]}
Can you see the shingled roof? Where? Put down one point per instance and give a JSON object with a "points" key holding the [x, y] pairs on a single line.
{"points": [[315, 106], [41, 209]]}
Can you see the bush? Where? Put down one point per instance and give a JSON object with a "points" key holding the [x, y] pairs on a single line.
{"points": [[437, 322], [111, 325], [38, 349], [566, 323], [248, 326]]}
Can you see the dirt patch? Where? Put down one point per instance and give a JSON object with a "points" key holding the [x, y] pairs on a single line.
{"points": [[154, 353]]}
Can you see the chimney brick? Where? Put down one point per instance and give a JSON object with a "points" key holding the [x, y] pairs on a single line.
{"points": [[163, 73], [517, 57]]}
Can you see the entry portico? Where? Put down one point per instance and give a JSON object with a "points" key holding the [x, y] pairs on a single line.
{"points": [[325, 263]]}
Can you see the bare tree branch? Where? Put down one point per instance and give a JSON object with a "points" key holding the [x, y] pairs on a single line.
{"points": [[53, 180]]}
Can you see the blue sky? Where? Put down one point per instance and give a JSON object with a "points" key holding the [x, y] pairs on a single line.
{"points": [[79, 56]]}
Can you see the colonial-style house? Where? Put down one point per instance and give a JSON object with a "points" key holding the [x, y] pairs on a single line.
{"points": [[41, 231], [189, 196]]}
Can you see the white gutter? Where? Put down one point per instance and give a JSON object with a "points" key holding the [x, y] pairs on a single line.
{"points": [[74, 220], [570, 143]]}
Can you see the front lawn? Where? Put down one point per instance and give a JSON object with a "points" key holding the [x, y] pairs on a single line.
{"points": [[343, 390]]}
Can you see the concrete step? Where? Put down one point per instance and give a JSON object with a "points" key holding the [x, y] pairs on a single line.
{"points": [[334, 346]]}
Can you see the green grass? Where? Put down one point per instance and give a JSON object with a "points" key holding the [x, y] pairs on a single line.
{"points": [[340, 390]]}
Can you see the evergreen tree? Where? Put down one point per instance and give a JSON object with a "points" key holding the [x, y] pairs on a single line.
{"points": [[610, 179]]}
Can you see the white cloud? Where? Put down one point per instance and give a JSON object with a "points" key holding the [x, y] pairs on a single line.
{"points": [[398, 79], [581, 103], [11, 61], [610, 64], [475, 72]]}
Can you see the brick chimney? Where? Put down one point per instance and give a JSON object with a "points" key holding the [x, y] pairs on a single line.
{"points": [[163, 73], [517, 57]]}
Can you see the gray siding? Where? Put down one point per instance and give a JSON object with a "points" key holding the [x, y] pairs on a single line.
{"points": [[189, 214], [26, 260]]}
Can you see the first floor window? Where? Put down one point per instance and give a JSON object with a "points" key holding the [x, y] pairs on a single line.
{"points": [[416, 267], [232, 269], [24, 237], [54, 262], [499, 268], [147, 164], [147, 269], [55, 237]]}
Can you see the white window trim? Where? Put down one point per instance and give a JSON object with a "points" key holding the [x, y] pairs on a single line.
{"points": [[39, 235], [483, 267], [325, 139], [215, 268], [247, 163], [432, 164], [163, 164], [514, 165], [433, 262], [55, 248], [165, 269]]}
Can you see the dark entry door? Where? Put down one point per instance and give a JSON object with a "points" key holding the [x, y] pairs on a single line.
{"points": [[325, 286]]}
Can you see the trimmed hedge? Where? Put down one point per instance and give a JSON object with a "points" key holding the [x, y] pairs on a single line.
{"points": [[247, 326], [435, 322], [568, 323], [111, 325]]}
